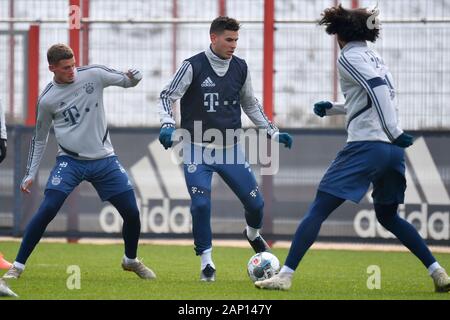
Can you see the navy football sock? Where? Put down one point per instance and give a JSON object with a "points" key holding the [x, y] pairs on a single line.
{"points": [[201, 222], [404, 231], [50, 206], [309, 228], [126, 204]]}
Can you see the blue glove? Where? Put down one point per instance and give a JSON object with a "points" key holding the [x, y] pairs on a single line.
{"points": [[284, 138], [165, 135], [404, 140], [320, 108]]}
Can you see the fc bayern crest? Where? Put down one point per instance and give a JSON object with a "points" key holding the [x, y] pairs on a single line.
{"points": [[192, 168], [89, 87], [56, 180]]}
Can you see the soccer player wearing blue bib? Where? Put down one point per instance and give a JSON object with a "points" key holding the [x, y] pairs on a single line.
{"points": [[374, 152], [213, 87], [73, 103]]}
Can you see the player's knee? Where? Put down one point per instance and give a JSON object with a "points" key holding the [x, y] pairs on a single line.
{"points": [[386, 214], [255, 209], [254, 212], [132, 214], [49, 209], [254, 205], [46, 213], [200, 205], [385, 221]]}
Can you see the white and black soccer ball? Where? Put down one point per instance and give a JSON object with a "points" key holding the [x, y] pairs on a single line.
{"points": [[263, 265]]}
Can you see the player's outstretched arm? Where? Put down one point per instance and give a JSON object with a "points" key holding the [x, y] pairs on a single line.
{"points": [[134, 75], [111, 77], [328, 108], [254, 110]]}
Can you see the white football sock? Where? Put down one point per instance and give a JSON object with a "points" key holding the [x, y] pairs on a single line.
{"points": [[19, 265], [206, 259], [433, 268], [128, 260], [287, 271], [252, 233]]}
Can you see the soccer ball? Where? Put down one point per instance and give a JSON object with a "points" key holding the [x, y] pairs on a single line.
{"points": [[263, 265]]}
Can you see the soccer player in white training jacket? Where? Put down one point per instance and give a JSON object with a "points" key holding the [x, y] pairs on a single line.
{"points": [[214, 85], [374, 152], [73, 102]]}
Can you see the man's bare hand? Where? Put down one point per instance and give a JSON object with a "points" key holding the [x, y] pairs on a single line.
{"points": [[26, 185], [134, 74]]}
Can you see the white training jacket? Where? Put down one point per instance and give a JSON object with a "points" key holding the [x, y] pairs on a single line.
{"points": [[182, 79], [77, 114], [367, 85]]}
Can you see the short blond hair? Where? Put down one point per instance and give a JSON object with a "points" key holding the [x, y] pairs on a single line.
{"points": [[58, 52]]}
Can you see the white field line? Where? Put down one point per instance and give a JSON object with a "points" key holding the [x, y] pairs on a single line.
{"points": [[244, 244]]}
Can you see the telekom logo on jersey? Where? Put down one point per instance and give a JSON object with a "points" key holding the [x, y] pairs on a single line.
{"points": [[211, 101], [429, 212]]}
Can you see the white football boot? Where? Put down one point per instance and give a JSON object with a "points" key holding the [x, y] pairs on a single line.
{"points": [[13, 273], [139, 268], [441, 280], [281, 281], [5, 291]]}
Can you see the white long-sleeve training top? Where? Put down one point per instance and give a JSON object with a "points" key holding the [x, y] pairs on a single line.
{"points": [[368, 88], [182, 79], [78, 116]]}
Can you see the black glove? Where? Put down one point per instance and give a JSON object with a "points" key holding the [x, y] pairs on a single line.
{"points": [[2, 149], [404, 140], [320, 108], [284, 138]]}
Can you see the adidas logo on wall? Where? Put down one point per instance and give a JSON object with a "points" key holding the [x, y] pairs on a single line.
{"points": [[425, 192], [161, 193], [208, 83]]}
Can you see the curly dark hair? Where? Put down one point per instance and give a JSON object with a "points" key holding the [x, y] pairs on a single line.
{"points": [[350, 24]]}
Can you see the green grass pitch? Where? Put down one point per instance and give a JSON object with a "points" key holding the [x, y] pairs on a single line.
{"points": [[322, 274]]}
